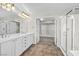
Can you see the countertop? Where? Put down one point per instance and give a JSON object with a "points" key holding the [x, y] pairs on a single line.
{"points": [[12, 37]]}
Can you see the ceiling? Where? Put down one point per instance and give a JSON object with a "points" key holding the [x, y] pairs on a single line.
{"points": [[43, 9], [50, 9]]}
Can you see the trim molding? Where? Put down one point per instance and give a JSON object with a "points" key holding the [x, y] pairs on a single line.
{"points": [[62, 50]]}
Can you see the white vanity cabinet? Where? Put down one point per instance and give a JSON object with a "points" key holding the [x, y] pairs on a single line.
{"points": [[27, 41], [18, 46], [31, 39], [7, 48], [23, 43]]}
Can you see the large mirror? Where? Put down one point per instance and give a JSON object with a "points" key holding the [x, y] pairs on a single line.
{"points": [[10, 27]]}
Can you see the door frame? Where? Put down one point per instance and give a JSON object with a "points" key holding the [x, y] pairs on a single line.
{"points": [[72, 33]]}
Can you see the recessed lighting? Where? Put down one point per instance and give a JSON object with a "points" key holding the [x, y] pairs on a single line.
{"points": [[41, 19]]}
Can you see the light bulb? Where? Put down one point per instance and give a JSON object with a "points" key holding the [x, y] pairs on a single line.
{"points": [[4, 6], [8, 5], [13, 8]]}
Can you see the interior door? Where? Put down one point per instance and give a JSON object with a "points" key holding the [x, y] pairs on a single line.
{"points": [[69, 33]]}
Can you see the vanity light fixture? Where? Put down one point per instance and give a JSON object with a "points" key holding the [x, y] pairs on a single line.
{"points": [[10, 7], [23, 15], [20, 14], [7, 6]]}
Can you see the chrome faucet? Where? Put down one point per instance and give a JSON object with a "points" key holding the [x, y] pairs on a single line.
{"points": [[3, 35]]}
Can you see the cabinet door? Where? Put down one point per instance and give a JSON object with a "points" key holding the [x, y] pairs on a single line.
{"points": [[7, 48], [31, 39], [27, 41], [19, 47]]}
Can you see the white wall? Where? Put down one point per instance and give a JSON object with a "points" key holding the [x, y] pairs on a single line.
{"points": [[48, 27], [48, 30]]}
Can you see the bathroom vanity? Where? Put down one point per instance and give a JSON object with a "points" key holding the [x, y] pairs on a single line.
{"points": [[15, 44], [14, 37]]}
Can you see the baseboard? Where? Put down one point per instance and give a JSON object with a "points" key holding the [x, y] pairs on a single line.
{"points": [[62, 50], [47, 36]]}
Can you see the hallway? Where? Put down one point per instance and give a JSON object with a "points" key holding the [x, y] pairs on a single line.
{"points": [[45, 47]]}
